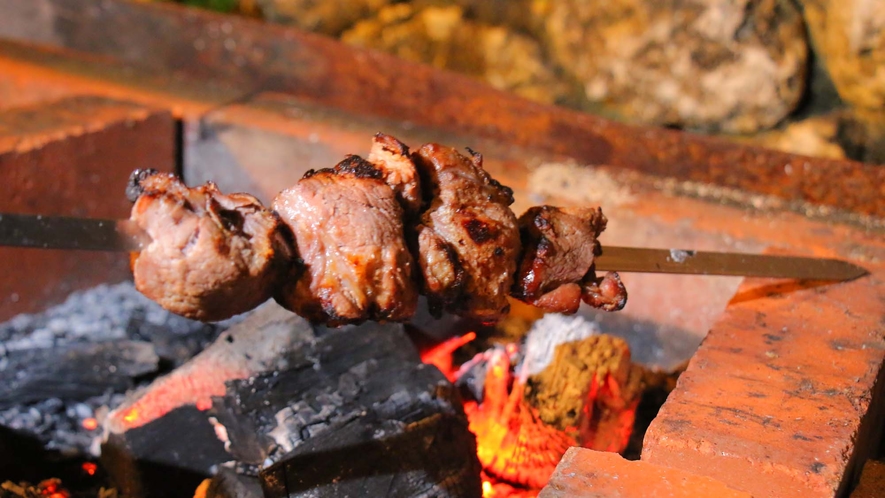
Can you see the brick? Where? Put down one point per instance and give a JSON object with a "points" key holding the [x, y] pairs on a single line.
{"points": [[72, 157], [782, 397], [587, 474], [872, 481]]}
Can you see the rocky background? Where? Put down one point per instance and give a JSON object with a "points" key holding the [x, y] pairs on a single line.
{"points": [[804, 76]]}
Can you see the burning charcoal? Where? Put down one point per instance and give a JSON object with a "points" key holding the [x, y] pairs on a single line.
{"points": [[572, 386], [74, 371], [166, 425], [589, 384], [105, 316], [354, 414]]}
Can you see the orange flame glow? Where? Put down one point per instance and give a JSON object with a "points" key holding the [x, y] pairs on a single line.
{"points": [[51, 488], [440, 355], [517, 450], [204, 404], [512, 443], [90, 424], [487, 489], [89, 468], [131, 416]]}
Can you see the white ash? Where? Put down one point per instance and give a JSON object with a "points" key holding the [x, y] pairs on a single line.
{"points": [[103, 313], [548, 332], [106, 312]]}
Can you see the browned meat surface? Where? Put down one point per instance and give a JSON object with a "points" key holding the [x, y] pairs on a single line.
{"points": [[212, 256], [607, 293], [349, 235], [392, 157], [468, 240], [555, 271]]}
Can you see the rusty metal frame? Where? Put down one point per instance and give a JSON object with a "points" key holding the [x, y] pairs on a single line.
{"points": [[246, 57]]}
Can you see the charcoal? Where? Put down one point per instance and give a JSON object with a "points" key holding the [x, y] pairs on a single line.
{"points": [[73, 372], [165, 429], [227, 483], [168, 456], [355, 414], [101, 315], [435, 456]]}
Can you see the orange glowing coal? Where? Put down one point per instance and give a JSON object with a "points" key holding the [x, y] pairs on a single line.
{"points": [[513, 444], [90, 424], [518, 451], [51, 488]]}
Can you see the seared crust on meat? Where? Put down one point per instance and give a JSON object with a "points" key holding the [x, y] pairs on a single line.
{"points": [[212, 256], [348, 230], [392, 158], [556, 267], [468, 239]]}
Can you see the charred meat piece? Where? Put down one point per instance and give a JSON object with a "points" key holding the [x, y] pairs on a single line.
{"points": [[212, 256], [468, 240], [555, 271], [392, 158], [349, 236], [606, 293]]}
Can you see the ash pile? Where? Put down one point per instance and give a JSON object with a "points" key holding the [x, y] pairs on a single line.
{"points": [[263, 404], [63, 370], [60, 370]]}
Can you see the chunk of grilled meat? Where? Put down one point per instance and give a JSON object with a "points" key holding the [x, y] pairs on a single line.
{"points": [[349, 236], [555, 271], [468, 240], [212, 256], [392, 158]]}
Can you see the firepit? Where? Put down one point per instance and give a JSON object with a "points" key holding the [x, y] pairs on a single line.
{"points": [[783, 396]]}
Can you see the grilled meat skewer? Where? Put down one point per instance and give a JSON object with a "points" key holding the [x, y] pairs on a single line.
{"points": [[556, 269], [212, 255], [468, 239], [348, 229], [362, 240]]}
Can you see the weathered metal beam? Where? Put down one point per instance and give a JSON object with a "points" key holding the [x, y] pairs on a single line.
{"points": [[250, 56]]}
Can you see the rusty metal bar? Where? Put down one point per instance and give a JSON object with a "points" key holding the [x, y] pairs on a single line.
{"points": [[252, 56]]}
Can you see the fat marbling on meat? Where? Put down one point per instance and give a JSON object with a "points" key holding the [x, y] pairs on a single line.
{"points": [[212, 256], [468, 240], [555, 271], [348, 228]]}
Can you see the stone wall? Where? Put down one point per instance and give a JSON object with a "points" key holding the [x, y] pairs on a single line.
{"points": [[803, 76]]}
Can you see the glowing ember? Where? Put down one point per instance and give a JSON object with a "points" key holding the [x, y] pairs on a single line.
{"points": [[89, 468], [512, 443], [486, 489], [51, 488], [90, 424], [522, 423], [204, 404], [131, 416]]}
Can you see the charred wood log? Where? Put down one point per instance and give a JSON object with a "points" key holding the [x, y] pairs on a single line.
{"points": [[355, 414], [590, 389], [161, 440], [75, 371], [168, 456], [567, 386], [348, 411]]}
